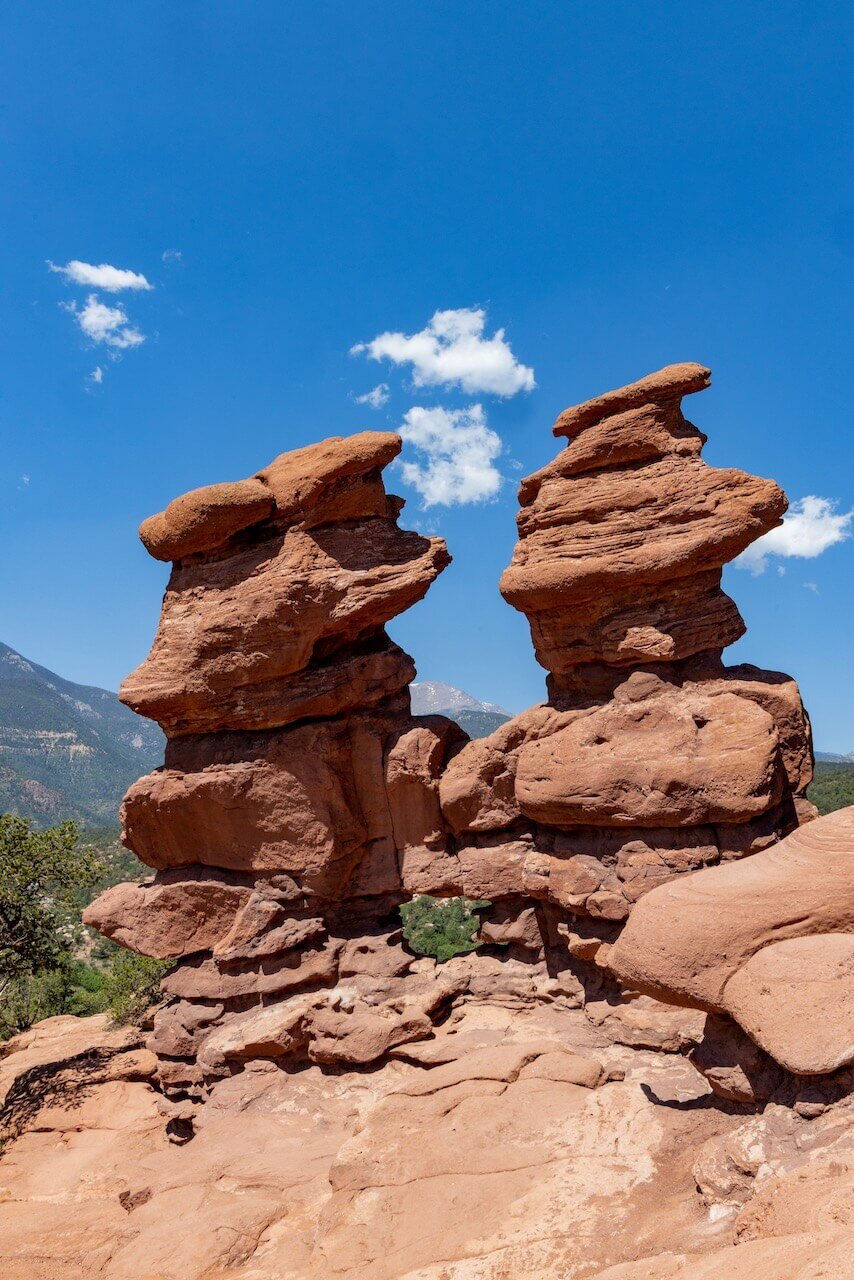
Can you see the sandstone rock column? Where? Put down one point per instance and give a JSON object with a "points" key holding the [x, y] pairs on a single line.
{"points": [[301, 803], [270, 826], [650, 758]]}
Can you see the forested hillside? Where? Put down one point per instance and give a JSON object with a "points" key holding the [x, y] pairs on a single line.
{"points": [[67, 750], [833, 786]]}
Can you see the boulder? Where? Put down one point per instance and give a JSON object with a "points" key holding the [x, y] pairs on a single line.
{"points": [[205, 518], [414, 759], [337, 479], [796, 999], [477, 789], [175, 914], [303, 801], [317, 483], [736, 1068], [662, 387], [686, 940], [654, 756]]}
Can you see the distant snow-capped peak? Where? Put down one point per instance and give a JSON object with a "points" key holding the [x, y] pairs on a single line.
{"points": [[432, 696]]}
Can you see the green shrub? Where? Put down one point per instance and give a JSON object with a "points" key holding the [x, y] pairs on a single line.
{"points": [[131, 984], [69, 987], [40, 874], [87, 994], [441, 927], [29, 997], [45, 878]]}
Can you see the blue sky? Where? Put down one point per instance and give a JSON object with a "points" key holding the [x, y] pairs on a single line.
{"points": [[617, 186]]}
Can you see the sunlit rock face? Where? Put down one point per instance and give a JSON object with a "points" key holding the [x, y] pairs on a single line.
{"points": [[295, 774], [651, 757], [300, 801]]}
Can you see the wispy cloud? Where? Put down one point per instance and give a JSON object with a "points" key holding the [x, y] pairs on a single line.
{"points": [[103, 324], [171, 255], [96, 376], [810, 527], [459, 451], [812, 586], [110, 279], [451, 350], [376, 397]]}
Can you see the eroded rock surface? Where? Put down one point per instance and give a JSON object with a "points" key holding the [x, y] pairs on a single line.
{"points": [[768, 940], [300, 801], [516, 1142], [360, 1111]]}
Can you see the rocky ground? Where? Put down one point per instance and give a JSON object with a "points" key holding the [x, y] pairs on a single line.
{"points": [[523, 1140]]}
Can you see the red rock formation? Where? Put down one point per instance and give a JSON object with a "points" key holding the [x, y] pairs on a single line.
{"points": [[623, 536], [271, 826], [651, 757], [768, 941], [300, 802]]}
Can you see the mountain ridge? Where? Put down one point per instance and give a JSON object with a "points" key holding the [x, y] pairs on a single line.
{"points": [[429, 697], [67, 750], [433, 697]]}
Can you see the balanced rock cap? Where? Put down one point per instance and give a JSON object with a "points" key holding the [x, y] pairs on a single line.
{"points": [[298, 479], [294, 482], [205, 518], [670, 383]]}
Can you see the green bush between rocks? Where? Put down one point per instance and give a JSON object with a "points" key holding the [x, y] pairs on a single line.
{"points": [[442, 927], [132, 984]]}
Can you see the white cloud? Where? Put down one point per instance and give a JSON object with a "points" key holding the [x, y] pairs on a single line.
{"points": [[810, 527], [171, 255], [812, 586], [376, 398], [110, 279], [452, 351], [459, 454], [96, 376], [109, 325]]}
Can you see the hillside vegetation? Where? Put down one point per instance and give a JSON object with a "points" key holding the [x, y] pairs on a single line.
{"points": [[49, 963], [833, 787], [67, 750]]}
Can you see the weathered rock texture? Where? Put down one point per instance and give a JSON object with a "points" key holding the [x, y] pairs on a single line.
{"points": [[651, 758], [768, 941], [517, 1142], [301, 803]]}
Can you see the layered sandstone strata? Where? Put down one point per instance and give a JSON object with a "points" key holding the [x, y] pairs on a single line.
{"points": [[270, 826], [623, 536], [651, 757], [300, 803]]}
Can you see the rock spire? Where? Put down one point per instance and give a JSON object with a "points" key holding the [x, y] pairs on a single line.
{"points": [[301, 802]]}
